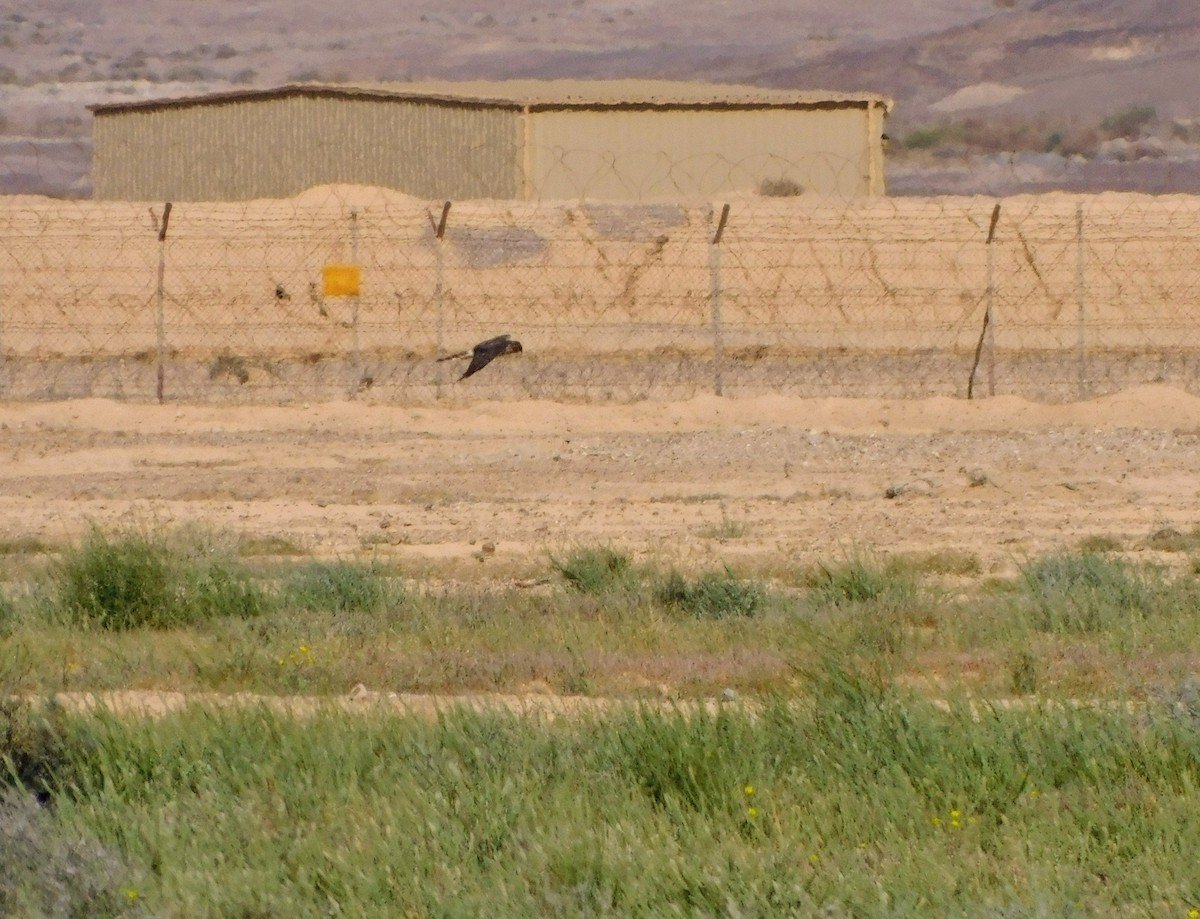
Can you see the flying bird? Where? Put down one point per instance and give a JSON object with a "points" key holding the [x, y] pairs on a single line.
{"points": [[485, 352]]}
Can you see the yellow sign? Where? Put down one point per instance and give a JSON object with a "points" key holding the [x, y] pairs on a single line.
{"points": [[341, 280]]}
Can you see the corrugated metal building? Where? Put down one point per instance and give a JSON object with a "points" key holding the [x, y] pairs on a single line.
{"points": [[532, 140]]}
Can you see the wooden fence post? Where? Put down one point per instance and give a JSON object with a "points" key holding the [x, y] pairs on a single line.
{"points": [[439, 234], [160, 321], [714, 298], [986, 335]]}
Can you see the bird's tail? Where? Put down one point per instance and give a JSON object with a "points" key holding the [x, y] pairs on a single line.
{"points": [[455, 357]]}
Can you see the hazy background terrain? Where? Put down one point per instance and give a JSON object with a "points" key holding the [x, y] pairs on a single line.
{"points": [[992, 96]]}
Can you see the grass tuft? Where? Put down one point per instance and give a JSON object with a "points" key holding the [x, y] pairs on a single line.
{"points": [[339, 586], [130, 580], [119, 582], [1099, 543], [859, 580], [1084, 592], [713, 595], [728, 528], [595, 570], [249, 546], [1168, 539], [25, 545]]}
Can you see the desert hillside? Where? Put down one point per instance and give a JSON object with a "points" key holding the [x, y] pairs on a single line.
{"points": [[1050, 78]]}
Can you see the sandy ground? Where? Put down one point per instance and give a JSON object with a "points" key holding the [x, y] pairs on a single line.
{"points": [[769, 479], [760, 483]]}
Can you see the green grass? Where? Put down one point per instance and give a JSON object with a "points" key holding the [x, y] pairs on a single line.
{"points": [[877, 767], [1088, 592], [595, 570], [858, 798], [713, 595], [339, 586], [132, 580], [183, 610], [861, 579]]}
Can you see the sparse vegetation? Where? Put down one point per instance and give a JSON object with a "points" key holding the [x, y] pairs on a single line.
{"points": [[860, 579], [999, 134], [713, 595], [1168, 539], [339, 587], [229, 365], [867, 752], [951, 562], [132, 580], [250, 546], [728, 528], [595, 570], [780, 188], [222, 618], [24, 545], [1087, 592], [1099, 543]]}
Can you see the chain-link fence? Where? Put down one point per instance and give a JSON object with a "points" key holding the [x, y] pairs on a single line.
{"points": [[355, 292]]}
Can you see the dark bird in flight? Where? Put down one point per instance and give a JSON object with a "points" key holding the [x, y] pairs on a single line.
{"points": [[485, 352]]}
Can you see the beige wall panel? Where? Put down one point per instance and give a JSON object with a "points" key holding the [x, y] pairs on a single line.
{"points": [[672, 154], [279, 147]]}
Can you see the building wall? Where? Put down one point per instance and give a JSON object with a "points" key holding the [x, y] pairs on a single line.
{"points": [[279, 146], [646, 154], [267, 148]]}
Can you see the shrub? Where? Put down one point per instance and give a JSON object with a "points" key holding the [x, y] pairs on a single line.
{"points": [[338, 586], [858, 581], [595, 571], [1083, 592], [120, 582], [714, 595], [223, 589], [130, 581], [780, 188]]}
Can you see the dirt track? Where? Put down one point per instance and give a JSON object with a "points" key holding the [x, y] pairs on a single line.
{"points": [[768, 480]]}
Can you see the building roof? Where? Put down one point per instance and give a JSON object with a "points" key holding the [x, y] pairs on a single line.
{"points": [[535, 95]]}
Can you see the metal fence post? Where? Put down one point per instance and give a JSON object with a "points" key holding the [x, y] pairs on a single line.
{"points": [[356, 348], [160, 319], [714, 297], [1080, 264], [439, 233]]}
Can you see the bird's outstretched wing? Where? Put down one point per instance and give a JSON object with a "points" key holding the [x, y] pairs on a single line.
{"points": [[487, 351]]}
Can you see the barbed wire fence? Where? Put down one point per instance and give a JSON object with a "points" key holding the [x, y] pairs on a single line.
{"points": [[352, 292]]}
